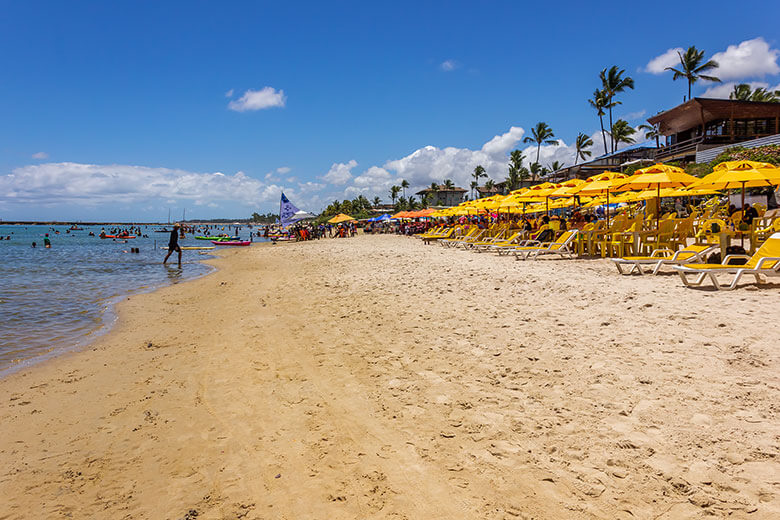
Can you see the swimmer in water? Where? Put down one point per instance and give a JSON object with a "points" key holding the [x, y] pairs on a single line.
{"points": [[46, 241]]}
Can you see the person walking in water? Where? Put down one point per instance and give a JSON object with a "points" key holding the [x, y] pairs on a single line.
{"points": [[173, 243]]}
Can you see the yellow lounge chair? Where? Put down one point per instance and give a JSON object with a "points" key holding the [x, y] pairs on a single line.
{"points": [[473, 230], [764, 262], [662, 257], [564, 246], [430, 238]]}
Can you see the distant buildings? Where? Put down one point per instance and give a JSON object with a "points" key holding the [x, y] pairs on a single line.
{"points": [[703, 123], [443, 195]]}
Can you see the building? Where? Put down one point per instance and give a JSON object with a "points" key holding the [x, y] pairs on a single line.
{"points": [[443, 196], [484, 191], [701, 123]]}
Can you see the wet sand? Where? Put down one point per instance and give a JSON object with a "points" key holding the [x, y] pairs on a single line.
{"points": [[377, 377]]}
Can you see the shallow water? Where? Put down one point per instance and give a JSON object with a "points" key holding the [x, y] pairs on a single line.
{"points": [[55, 299]]}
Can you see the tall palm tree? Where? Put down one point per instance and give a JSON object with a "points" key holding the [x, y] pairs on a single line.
{"points": [[599, 102], [513, 178], [580, 144], [613, 82], [394, 190], [404, 185], [622, 132], [479, 172], [541, 134], [691, 67], [448, 184], [743, 92], [377, 201]]}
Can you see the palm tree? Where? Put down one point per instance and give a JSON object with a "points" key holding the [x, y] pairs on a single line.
{"points": [[394, 193], [536, 171], [448, 184], [490, 184], [404, 185], [377, 201], [613, 82], [691, 67], [622, 132], [651, 132], [743, 92], [479, 172], [402, 203], [599, 102], [541, 134], [412, 203], [580, 144]]}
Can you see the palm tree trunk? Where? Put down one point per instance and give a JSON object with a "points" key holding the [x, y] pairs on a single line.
{"points": [[538, 149], [611, 139], [603, 137], [689, 90]]}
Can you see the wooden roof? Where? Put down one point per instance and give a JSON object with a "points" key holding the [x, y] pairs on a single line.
{"points": [[699, 111]]}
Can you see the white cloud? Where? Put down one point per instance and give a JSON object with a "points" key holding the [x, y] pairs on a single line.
{"points": [[722, 90], [267, 97], [340, 173], [668, 59], [284, 169], [96, 185], [229, 93], [750, 59], [40, 155], [631, 116], [501, 144], [449, 65]]}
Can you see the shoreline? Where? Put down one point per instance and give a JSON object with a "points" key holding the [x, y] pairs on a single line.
{"points": [[375, 377], [108, 319]]}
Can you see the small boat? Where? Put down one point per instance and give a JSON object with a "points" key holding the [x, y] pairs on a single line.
{"points": [[231, 242], [74, 227], [201, 237], [123, 237], [163, 230]]}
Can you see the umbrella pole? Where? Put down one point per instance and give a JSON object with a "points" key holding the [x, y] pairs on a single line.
{"points": [[547, 205], [658, 208], [607, 209], [743, 214]]}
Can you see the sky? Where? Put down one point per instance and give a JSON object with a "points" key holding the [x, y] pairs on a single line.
{"points": [[127, 110]]}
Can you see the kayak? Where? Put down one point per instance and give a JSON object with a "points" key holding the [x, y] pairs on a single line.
{"points": [[231, 243], [216, 238]]}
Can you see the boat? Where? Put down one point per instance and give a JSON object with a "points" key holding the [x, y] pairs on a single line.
{"points": [[200, 237], [231, 242], [123, 237], [163, 230]]}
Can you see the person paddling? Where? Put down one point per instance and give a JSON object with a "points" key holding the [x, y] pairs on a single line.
{"points": [[173, 243]]}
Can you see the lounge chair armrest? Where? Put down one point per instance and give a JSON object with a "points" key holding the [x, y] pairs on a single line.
{"points": [[666, 252], [766, 259], [729, 257]]}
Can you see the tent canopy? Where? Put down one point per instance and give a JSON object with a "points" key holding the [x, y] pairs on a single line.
{"points": [[341, 217]]}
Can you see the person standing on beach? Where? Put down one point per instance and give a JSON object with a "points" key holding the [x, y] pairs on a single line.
{"points": [[173, 243]]}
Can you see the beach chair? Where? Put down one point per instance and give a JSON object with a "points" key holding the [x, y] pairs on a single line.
{"points": [[662, 257], [454, 240], [764, 262], [563, 246], [511, 241], [427, 239]]}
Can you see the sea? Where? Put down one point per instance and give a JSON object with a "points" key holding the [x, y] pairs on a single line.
{"points": [[59, 299]]}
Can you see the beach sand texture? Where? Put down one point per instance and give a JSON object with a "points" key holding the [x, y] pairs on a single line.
{"points": [[380, 378]]}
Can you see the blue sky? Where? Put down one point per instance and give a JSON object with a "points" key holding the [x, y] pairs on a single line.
{"points": [[119, 110]]}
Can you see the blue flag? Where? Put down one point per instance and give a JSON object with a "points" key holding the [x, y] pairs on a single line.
{"points": [[286, 211]]}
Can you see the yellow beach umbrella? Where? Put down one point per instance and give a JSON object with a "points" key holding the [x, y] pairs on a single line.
{"points": [[341, 217], [658, 176], [601, 184]]}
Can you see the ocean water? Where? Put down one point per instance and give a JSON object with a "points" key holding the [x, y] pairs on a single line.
{"points": [[52, 300]]}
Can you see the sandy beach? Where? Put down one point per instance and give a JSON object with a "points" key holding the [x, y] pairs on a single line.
{"points": [[377, 377]]}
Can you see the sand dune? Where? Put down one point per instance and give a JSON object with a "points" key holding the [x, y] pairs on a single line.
{"points": [[380, 378]]}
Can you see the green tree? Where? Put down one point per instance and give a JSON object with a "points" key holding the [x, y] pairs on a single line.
{"points": [[412, 204], [581, 144], [743, 92], [394, 190], [541, 134], [402, 204], [448, 184], [613, 83], [404, 185], [513, 179], [600, 102], [536, 171], [478, 173], [692, 65], [651, 132], [622, 132], [377, 201], [490, 184]]}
